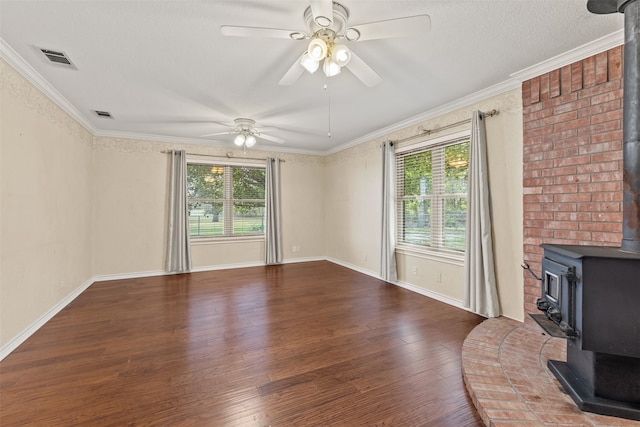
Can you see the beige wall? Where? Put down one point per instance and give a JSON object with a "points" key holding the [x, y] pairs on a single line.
{"points": [[46, 197], [353, 202]]}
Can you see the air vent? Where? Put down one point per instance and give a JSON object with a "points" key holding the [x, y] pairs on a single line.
{"points": [[103, 114], [56, 57]]}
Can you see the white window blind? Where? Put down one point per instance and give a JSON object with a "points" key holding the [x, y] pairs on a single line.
{"points": [[431, 193]]}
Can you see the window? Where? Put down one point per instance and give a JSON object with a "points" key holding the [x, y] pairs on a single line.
{"points": [[432, 180], [225, 200]]}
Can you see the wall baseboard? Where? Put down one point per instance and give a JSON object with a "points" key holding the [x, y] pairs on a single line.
{"points": [[15, 342], [433, 295]]}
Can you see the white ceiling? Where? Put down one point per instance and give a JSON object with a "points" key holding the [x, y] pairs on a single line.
{"points": [[163, 69]]}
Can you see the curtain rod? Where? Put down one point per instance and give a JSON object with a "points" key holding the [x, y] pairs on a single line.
{"points": [[228, 155], [424, 132]]}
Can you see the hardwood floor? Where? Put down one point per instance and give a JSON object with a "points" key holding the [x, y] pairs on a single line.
{"points": [[309, 344]]}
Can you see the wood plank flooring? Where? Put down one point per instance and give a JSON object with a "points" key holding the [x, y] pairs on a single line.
{"points": [[308, 344]]}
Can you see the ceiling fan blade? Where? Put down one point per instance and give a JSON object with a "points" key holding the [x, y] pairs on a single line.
{"points": [[230, 132], [293, 74], [322, 11], [362, 71], [238, 31], [271, 138], [399, 27]]}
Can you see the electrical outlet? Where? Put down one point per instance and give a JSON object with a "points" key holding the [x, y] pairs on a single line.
{"points": [[415, 271], [438, 277], [295, 248]]}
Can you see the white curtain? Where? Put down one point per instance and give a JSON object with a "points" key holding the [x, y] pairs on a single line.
{"points": [[388, 262], [178, 248], [273, 227], [480, 293]]}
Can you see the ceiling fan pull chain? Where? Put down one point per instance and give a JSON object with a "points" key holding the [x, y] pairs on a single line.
{"points": [[326, 88]]}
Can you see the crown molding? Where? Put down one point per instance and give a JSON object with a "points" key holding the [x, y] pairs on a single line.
{"points": [[574, 55], [28, 72]]}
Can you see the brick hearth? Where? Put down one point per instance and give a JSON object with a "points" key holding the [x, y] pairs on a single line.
{"points": [[504, 364]]}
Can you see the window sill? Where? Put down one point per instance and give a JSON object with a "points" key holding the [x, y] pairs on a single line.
{"points": [[196, 241], [431, 254]]}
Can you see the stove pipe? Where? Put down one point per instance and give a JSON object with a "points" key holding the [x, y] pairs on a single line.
{"points": [[631, 103]]}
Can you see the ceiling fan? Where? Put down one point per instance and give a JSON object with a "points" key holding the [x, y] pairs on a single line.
{"points": [[327, 26], [246, 133]]}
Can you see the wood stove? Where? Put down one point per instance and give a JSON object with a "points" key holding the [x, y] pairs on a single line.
{"points": [[590, 296]]}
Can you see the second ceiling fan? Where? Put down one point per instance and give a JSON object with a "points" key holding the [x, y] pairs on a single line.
{"points": [[327, 30]]}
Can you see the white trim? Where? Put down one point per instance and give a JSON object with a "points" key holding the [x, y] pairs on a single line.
{"points": [[29, 73], [355, 268], [15, 342], [574, 55], [434, 295], [307, 259], [135, 275], [453, 259], [426, 142], [206, 240]]}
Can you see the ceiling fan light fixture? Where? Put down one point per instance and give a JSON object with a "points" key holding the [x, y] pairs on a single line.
{"points": [[240, 139], [351, 34], [317, 49], [309, 64], [340, 54], [330, 68], [250, 141]]}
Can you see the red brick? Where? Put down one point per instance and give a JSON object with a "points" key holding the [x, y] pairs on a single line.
{"points": [[599, 207], [554, 83], [572, 216], [573, 104], [572, 198], [576, 76], [559, 180], [575, 160], [607, 176], [615, 63], [607, 238], [573, 236], [565, 79], [602, 67], [544, 87], [588, 72], [535, 90], [526, 93], [561, 189], [607, 197], [603, 227], [600, 187], [606, 156], [607, 216], [599, 148]]}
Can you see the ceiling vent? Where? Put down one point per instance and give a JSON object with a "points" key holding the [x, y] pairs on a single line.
{"points": [[103, 114], [59, 58]]}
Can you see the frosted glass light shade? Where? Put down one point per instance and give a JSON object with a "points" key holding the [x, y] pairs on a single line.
{"points": [[340, 54], [330, 68], [309, 64], [317, 49], [239, 140], [250, 141]]}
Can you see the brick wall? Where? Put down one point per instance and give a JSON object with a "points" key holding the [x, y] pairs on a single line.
{"points": [[572, 159]]}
